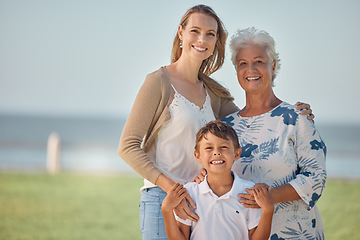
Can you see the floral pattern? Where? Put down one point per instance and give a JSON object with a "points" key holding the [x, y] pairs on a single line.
{"points": [[280, 147]]}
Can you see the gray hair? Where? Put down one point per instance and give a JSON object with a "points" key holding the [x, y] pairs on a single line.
{"points": [[254, 36]]}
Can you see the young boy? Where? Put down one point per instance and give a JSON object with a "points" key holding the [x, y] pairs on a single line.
{"points": [[221, 216]]}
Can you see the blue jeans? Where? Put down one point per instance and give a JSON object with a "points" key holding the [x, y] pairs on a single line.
{"points": [[151, 219]]}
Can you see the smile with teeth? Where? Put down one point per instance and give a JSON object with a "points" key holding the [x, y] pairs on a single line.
{"points": [[200, 48], [217, 162], [252, 78]]}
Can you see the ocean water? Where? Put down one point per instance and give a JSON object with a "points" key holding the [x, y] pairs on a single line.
{"points": [[87, 145], [90, 145]]}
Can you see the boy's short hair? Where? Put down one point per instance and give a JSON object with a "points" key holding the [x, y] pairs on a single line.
{"points": [[219, 129]]}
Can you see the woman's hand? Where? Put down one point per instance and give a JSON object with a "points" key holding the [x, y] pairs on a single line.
{"points": [[261, 185], [176, 194], [201, 176], [306, 110], [248, 199], [183, 211]]}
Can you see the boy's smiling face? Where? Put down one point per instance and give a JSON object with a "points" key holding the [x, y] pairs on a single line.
{"points": [[216, 154]]}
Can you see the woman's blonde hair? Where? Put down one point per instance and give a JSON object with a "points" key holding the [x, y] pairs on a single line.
{"points": [[216, 60]]}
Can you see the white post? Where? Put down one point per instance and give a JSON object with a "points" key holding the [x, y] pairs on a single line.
{"points": [[53, 153]]}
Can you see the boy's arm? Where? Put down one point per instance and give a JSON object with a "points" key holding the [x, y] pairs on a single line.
{"points": [[264, 200], [185, 229], [174, 229], [173, 198]]}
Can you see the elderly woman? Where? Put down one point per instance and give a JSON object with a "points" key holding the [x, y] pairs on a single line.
{"points": [[280, 147]]}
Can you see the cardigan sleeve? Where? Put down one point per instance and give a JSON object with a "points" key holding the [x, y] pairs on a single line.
{"points": [[310, 180], [138, 124]]}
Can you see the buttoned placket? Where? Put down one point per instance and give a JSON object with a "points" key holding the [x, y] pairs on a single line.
{"points": [[218, 206]]}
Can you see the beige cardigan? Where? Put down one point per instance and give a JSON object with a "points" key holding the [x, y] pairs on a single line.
{"points": [[148, 114]]}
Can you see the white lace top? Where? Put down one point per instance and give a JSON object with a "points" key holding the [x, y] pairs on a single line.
{"points": [[174, 146]]}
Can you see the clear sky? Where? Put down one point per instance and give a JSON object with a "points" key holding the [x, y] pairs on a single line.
{"points": [[89, 57]]}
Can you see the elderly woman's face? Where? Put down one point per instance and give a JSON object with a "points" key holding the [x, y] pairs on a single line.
{"points": [[254, 69]]}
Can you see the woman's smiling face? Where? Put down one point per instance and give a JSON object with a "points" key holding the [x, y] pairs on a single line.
{"points": [[198, 36], [254, 69]]}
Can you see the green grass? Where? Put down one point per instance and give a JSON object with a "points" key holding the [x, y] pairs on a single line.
{"points": [[340, 210], [69, 206], [40, 206]]}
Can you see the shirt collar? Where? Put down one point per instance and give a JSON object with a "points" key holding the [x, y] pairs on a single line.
{"points": [[204, 186], [234, 191]]}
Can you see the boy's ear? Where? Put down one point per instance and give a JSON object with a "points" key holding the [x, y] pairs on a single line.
{"points": [[237, 154], [197, 156]]}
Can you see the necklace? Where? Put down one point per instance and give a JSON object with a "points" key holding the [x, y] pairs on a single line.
{"points": [[249, 122], [256, 117], [248, 125]]}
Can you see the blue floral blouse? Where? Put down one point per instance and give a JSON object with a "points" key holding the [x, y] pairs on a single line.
{"points": [[279, 147]]}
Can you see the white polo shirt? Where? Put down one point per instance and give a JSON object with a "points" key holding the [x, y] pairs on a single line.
{"points": [[221, 217]]}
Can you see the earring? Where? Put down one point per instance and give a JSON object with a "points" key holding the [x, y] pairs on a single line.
{"points": [[180, 44]]}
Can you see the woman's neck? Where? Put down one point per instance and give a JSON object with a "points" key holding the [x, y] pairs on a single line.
{"points": [[257, 104], [188, 70]]}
